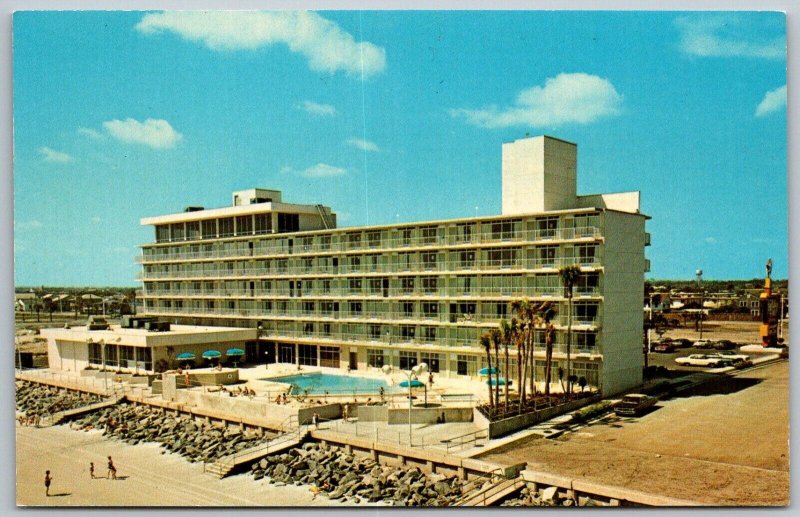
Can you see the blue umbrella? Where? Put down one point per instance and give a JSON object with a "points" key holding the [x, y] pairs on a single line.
{"points": [[414, 384], [501, 381], [234, 351], [185, 356], [211, 354], [487, 371]]}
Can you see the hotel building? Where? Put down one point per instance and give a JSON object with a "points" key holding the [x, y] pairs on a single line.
{"points": [[401, 294]]}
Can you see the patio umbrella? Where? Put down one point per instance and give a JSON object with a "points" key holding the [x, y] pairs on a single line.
{"points": [[487, 371], [211, 354], [414, 383], [234, 352], [185, 356], [501, 381]]}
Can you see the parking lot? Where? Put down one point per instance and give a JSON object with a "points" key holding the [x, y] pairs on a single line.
{"points": [[724, 443]]}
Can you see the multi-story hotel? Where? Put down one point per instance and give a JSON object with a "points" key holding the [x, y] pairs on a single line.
{"points": [[401, 294]]}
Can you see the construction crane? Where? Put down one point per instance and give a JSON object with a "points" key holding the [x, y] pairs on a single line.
{"points": [[770, 307]]}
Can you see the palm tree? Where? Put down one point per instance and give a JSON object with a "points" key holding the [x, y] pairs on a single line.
{"points": [[525, 313], [545, 314], [569, 277], [508, 332], [496, 338], [486, 343]]}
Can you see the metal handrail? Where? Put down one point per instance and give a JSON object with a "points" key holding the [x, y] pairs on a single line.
{"points": [[457, 442]]}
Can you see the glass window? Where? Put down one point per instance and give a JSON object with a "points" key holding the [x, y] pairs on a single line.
{"points": [[177, 231], [329, 356], [374, 239], [466, 259], [408, 360], [162, 233], [405, 237], [263, 223], [375, 358], [428, 235], [308, 355], [432, 360], [430, 309], [407, 332], [244, 225], [407, 285], [193, 230], [226, 227], [429, 260], [209, 228], [429, 284]]}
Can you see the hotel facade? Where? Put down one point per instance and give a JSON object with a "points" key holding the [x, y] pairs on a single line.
{"points": [[401, 294]]}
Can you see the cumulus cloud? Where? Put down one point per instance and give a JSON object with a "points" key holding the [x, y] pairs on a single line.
{"points": [[723, 36], [51, 155], [773, 100], [90, 133], [314, 108], [155, 133], [327, 47], [566, 98], [364, 145], [323, 170]]}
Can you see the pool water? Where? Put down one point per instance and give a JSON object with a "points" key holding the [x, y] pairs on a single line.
{"points": [[319, 383]]}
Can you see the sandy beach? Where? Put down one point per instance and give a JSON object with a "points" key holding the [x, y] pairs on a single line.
{"points": [[146, 477]]}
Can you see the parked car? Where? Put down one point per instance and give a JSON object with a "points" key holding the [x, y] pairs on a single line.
{"points": [[634, 404], [723, 344], [681, 343], [663, 347], [701, 360], [738, 360], [702, 343]]}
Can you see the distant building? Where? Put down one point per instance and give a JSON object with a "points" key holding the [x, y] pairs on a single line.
{"points": [[406, 293]]}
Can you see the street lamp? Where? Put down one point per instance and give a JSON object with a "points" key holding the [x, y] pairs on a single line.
{"points": [[416, 371], [699, 274]]}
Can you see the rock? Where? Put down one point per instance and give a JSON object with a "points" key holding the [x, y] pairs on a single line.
{"points": [[550, 494]]}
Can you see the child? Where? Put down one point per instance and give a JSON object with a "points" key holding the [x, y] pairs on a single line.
{"points": [[47, 481]]}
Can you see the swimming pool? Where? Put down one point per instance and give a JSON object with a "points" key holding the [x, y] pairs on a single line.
{"points": [[319, 383]]}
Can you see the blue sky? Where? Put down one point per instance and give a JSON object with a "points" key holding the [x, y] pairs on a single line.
{"points": [[389, 116]]}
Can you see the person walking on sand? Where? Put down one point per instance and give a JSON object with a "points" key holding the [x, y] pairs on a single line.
{"points": [[112, 470], [47, 480], [315, 420], [91, 469]]}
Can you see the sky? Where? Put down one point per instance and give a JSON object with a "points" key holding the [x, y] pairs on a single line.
{"points": [[393, 116]]}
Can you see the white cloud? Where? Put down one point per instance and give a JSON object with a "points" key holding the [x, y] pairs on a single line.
{"points": [[154, 133], [29, 225], [566, 98], [323, 170], [90, 133], [721, 36], [51, 155], [773, 100], [327, 47], [364, 145], [317, 109]]}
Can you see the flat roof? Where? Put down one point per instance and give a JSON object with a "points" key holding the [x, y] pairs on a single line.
{"points": [[177, 335]]}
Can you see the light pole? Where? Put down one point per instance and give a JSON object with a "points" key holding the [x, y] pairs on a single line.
{"points": [[699, 274], [416, 371]]}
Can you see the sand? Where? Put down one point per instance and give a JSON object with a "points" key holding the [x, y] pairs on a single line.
{"points": [[146, 477]]}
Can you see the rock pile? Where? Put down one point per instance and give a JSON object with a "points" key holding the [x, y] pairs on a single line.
{"points": [[349, 478], [35, 399], [196, 441], [546, 496]]}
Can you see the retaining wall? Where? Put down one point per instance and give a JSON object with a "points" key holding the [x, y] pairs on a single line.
{"points": [[515, 423]]}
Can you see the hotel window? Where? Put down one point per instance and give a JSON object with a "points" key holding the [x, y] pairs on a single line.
{"points": [[226, 227], [407, 332], [466, 365], [587, 283], [428, 235], [177, 231], [405, 261], [547, 256], [308, 307], [281, 265], [429, 260], [209, 228], [306, 243], [355, 262], [307, 355], [503, 230], [407, 285], [372, 260], [375, 285], [464, 232], [501, 257], [546, 227], [326, 286], [405, 237], [429, 334], [329, 356], [585, 313], [430, 309], [353, 240], [375, 332], [502, 310], [466, 259], [325, 242], [585, 340], [326, 329], [308, 329], [244, 225], [374, 239], [429, 284], [464, 284], [193, 230], [288, 222], [408, 360], [162, 233], [375, 358], [307, 264], [354, 285], [408, 309], [586, 254], [431, 359], [263, 223]]}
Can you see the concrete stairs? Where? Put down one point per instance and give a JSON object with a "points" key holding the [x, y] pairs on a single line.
{"points": [[494, 492], [224, 466], [57, 418]]}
